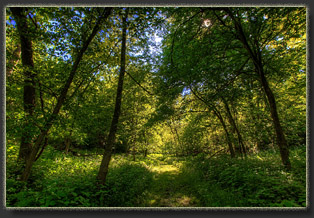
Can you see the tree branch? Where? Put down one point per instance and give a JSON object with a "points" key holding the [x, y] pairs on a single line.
{"points": [[138, 83]]}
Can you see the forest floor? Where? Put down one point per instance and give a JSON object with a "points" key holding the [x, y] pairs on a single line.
{"points": [[167, 191], [65, 180]]}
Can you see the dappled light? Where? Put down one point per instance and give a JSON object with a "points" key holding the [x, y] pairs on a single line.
{"points": [[162, 182], [156, 107]]}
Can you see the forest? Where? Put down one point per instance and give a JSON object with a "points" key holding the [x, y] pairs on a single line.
{"points": [[153, 107]]}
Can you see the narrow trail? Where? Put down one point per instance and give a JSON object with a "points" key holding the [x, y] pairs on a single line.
{"points": [[168, 190]]}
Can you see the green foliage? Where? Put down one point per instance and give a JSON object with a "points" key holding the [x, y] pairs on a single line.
{"points": [[172, 110], [125, 185], [257, 181], [69, 181], [160, 180]]}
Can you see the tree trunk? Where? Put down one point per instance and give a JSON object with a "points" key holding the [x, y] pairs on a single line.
{"points": [[103, 170], [145, 152], [281, 140], [234, 126], [146, 144], [67, 143], [29, 95], [232, 152], [42, 148], [217, 113], [133, 153], [175, 133], [30, 160]]}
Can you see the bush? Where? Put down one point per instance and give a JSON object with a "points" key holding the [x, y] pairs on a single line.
{"points": [[125, 185], [259, 180], [60, 180]]}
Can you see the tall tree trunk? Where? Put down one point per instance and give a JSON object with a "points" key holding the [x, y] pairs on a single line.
{"points": [[257, 61], [31, 159], [235, 128], [29, 95], [281, 140], [103, 170]]}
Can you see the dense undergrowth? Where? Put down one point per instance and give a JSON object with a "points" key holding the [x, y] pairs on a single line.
{"points": [[64, 180], [257, 181]]}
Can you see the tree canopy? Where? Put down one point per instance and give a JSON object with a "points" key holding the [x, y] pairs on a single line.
{"points": [[175, 81]]}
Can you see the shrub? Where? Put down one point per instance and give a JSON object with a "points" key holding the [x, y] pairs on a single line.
{"points": [[260, 179], [125, 185]]}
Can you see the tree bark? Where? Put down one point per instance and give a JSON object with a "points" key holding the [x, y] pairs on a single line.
{"points": [[29, 95], [30, 160], [103, 170]]}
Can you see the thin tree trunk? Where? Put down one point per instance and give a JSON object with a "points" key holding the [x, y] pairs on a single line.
{"points": [[29, 95], [103, 170], [42, 148], [234, 126], [217, 113], [30, 160], [67, 142], [231, 149], [146, 144], [145, 152], [175, 135], [133, 153]]}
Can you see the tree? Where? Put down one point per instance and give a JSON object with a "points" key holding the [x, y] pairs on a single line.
{"points": [[222, 78], [103, 170], [63, 94], [29, 80], [254, 47], [232, 44], [234, 127]]}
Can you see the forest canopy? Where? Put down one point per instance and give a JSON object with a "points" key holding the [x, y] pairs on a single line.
{"points": [[103, 91]]}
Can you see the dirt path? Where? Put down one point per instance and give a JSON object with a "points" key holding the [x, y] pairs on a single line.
{"points": [[168, 190]]}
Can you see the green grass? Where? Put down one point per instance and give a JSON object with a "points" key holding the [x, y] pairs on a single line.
{"points": [[60, 180], [257, 181]]}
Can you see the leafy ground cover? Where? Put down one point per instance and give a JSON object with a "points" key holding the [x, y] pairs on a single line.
{"points": [[64, 180]]}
